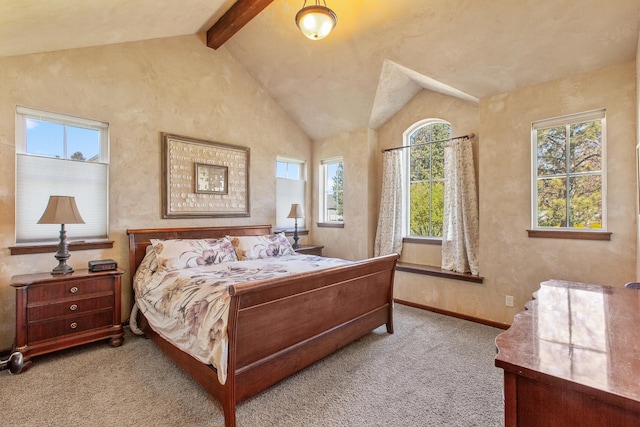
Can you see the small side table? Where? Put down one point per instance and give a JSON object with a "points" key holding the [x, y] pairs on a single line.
{"points": [[310, 250], [54, 312]]}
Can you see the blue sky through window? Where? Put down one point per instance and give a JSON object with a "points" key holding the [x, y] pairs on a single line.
{"points": [[49, 139]]}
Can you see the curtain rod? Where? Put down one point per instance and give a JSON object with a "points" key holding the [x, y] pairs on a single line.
{"points": [[471, 135]]}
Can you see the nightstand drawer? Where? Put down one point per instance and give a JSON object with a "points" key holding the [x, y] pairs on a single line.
{"points": [[68, 325], [75, 306], [69, 288]]}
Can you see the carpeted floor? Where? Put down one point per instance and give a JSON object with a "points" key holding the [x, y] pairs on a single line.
{"points": [[434, 371]]}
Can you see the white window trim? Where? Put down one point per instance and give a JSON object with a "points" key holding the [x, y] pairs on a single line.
{"points": [[592, 115]]}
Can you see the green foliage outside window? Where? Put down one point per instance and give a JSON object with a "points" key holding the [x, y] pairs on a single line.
{"points": [[337, 188], [426, 179], [569, 175]]}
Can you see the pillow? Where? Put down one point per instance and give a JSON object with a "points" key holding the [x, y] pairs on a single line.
{"points": [[265, 246], [178, 254], [147, 267]]}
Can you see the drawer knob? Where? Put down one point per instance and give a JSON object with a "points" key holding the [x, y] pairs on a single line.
{"points": [[73, 307], [73, 290], [73, 325]]}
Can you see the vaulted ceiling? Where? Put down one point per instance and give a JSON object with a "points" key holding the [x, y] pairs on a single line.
{"points": [[379, 56]]}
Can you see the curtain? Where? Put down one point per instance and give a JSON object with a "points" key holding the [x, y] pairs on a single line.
{"points": [[389, 233], [460, 234]]}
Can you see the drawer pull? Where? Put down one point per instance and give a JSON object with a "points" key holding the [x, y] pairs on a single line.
{"points": [[73, 307], [73, 290], [73, 325]]}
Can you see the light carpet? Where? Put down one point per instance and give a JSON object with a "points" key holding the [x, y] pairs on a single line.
{"points": [[434, 370]]}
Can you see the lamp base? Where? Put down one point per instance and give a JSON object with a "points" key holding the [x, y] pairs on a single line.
{"points": [[62, 268]]}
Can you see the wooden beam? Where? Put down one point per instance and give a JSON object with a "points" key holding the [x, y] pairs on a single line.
{"points": [[233, 20]]}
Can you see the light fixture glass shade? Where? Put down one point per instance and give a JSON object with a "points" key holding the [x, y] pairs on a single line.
{"points": [[316, 22], [296, 211]]}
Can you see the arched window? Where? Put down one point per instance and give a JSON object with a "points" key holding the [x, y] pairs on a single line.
{"points": [[425, 177]]}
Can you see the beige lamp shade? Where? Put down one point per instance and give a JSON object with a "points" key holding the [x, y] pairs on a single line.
{"points": [[296, 211], [61, 210]]}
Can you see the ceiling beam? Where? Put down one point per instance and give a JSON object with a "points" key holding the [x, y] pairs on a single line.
{"points": [[233, 20]]}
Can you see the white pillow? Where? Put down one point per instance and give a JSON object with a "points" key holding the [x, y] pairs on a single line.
{"points": [[178, 254], [265, 246]]}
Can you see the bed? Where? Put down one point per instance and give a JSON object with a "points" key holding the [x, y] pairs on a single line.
{"points": [[278, 326]]}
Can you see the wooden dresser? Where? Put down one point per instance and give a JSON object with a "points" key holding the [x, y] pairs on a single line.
{"points": [[310, 250], [573, 358], [54, 312]]}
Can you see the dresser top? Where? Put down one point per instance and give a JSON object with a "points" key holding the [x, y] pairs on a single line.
{"points": [[582, 334], [83, 273]]}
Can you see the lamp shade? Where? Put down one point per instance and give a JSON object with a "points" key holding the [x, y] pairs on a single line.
{"points": [[61, 210], [296, 211], [316, 22]]}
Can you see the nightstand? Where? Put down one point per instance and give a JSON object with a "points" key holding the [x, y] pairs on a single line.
{"points": [[310, 250], [54, 312]]}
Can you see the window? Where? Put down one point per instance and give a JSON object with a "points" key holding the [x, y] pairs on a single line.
{"points": [[425, 177], [290, 183], [60, 155], [569, 172], [331, 191]]}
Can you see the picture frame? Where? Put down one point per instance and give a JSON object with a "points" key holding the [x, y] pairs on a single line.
{"points": [[211, 179], [204, 179]]}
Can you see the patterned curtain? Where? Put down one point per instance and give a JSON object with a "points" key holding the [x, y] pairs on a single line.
{"points": [[460, 234], [389, 233]]}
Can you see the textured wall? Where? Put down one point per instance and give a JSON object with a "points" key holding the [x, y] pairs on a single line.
{"points": [[355, 240], [175, 85], [512, 263]]}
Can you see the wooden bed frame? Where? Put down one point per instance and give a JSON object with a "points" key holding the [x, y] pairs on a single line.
{"points": [[278, 327]]}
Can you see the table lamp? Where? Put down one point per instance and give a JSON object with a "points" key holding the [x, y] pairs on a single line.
{"points": [[296, 212], [62, 210]]}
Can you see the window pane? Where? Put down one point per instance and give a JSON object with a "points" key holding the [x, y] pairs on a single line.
{"points": [[420, 163], [437, 160], [551, 151], [293, 171], [281, 170], [585, 146], [426, 179], [420, 205], [83, 144], [45, 138], [586, 201], [333, 192], [552, 202]]}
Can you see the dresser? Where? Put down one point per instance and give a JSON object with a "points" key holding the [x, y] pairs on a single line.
{"points": [[573, 358], [310, 250], [54, 312]]}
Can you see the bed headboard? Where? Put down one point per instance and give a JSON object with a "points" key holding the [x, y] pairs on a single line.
{"points": [[140, 238]]}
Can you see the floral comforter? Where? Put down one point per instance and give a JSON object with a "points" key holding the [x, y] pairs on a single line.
{"points": [[190, 307]]}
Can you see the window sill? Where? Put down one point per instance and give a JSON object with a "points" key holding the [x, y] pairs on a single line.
{"points": [[423, 240], [330, 224], [73, 246], [569, 234], [429, 270]]}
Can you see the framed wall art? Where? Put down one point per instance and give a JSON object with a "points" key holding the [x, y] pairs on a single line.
{"points": [[203, 178]]}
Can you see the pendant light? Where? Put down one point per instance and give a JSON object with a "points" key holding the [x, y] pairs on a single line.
{"points": [[316, 21]]}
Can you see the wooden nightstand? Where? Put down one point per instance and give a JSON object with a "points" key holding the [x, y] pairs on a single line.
{"points": [[310, 250], [57, 312]]}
